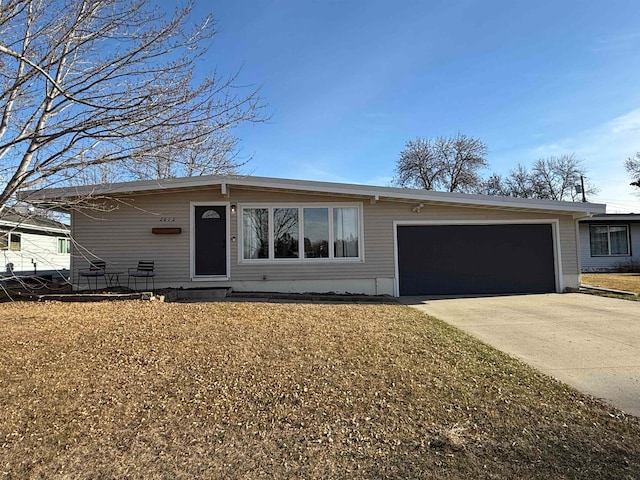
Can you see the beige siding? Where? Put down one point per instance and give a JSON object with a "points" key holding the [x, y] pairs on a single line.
{"points": [[379, 222], [123, 236]]}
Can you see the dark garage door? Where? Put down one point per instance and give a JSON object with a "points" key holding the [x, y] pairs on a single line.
{"points": [[475, 259]]}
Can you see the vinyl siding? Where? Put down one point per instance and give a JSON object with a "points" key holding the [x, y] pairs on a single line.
{"points": [[594, 264], [123, 236], [39, 249]]}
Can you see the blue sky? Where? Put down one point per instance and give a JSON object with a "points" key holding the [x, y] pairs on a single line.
{"points": [[349, 82]]}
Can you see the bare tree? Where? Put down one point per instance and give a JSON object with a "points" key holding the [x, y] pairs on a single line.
{"points": [[443, 163], [210, 155], [463, 158], [633, 167], [419, 165], [493, 185], [517, 183], [86, 83], [553, 178], [521, 183], [100, 174]]}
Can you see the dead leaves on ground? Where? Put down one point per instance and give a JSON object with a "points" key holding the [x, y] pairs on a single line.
{"points": [[629, 282], [257, 390]]}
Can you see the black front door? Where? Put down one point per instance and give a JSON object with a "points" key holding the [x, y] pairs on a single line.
{"points": [[211, 240]]}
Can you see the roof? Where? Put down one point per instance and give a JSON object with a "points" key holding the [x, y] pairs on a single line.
{"points": [[374, 193], [614, 217], [31, 221]]}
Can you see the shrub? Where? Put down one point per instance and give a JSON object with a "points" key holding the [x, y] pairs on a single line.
{"points": [[629, 266]]}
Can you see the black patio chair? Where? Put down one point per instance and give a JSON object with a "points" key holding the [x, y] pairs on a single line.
{"points": [[143, 270], [96, 269]]}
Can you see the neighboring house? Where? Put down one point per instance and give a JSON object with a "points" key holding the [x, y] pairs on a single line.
{"points": [[33, 244], [610, 242], [269, 234]]}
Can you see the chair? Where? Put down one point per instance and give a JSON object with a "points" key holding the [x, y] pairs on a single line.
{"points": [[96, 269], [143, 270]]}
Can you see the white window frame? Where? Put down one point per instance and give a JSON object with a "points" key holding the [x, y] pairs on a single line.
{"points": [[19, 242], [609, 225], [58, 245], [192, 242], [300, 206]]}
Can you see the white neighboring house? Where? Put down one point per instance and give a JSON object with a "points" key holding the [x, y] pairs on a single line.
{"points": [[32, 244]]}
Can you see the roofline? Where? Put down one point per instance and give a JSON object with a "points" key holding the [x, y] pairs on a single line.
{"points": [[30, 226], [374, 192], [614, 217]]}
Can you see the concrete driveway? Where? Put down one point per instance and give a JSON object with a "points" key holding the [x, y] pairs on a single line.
{"points": [[591, 343]]}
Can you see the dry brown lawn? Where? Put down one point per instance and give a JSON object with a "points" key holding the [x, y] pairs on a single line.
{"points": [[257, 390], [629, 282]]}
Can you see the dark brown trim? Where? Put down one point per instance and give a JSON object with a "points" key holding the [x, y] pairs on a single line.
{"points": [[166, 231]]}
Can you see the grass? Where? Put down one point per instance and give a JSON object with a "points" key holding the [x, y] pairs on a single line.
{"points": [[629, 282], [257, 390]]}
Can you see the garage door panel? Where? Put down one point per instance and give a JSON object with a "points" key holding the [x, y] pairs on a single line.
{"points": [[475, 259]]}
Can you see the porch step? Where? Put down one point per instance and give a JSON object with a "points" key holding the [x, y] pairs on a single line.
{"points": [[196, 295]]}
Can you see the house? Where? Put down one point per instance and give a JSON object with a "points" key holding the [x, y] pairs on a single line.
{"points": [[610, 242], [33, 244], [271, 234]]}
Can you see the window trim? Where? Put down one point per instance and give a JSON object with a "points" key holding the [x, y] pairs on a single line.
{"points": [[192, 242], [9, 235], [301, 259], [58, 245], [609, 225], [11, 242]]}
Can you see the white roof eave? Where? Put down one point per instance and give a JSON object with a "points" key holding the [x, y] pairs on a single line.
{"points": [[378, 193], [29, 226]]}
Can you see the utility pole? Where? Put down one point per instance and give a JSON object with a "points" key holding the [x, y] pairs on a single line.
{"points": [[580, 188]]}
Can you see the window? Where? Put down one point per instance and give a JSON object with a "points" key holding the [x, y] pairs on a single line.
{"points": [[316, 232], [10, 241], [285, 232], [15, 242], [210, 214], [255, 227], [302, 233], [345, 232], [64, 245], [609, 240]]}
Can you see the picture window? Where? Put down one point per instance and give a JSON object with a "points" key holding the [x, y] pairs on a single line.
{"points": [[301, 233]]}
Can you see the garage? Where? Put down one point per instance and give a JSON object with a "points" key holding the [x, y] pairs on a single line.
{"points": [[476, 259]]}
